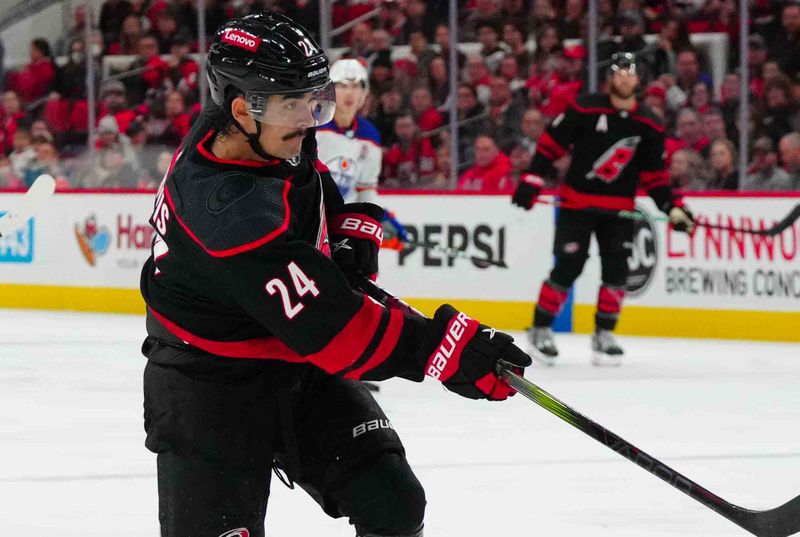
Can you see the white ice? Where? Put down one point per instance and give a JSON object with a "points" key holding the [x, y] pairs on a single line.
{"points": [[726, 414]]}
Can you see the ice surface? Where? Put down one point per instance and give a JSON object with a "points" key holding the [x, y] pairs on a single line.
{"points": [[726, 414]]}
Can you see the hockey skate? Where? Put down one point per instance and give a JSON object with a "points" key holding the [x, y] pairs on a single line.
{"points": [[542, 344], [605, 349]]}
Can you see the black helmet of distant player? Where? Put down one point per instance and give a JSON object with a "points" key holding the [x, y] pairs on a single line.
{"points": [[622, 61], [267, 54]]}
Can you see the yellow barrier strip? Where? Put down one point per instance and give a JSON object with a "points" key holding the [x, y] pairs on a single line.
{"points": [[635, 320]]}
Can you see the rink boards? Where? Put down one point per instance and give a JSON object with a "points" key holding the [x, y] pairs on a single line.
{"points": [[86, 250]]}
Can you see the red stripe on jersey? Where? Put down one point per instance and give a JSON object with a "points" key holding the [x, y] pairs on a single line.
{"points": [[386, 346], [267, 347], [244, 247], [320, 166], [653, 179], [546, 144], [580, 200], [649, 122], [349, 344], [589, 110]]}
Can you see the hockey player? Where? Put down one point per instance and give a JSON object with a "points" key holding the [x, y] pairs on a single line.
{"points": [[617, 146], [350, 145], [256, 338]]}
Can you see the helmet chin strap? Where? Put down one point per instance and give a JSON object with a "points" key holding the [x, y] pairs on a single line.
{"points": [[254, 139]]}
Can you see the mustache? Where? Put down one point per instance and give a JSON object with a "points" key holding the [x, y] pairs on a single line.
{"points": [[294, 134]]}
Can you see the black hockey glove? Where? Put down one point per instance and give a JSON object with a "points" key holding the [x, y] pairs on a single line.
{"points": [[463, 355], [528, 190], [356, 236], [681, 219]]}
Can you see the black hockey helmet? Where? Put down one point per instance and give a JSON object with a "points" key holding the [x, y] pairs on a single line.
{"points": [[265, 54], [622, 61]]}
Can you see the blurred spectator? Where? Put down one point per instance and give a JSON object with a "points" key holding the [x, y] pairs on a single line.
{"points": [[391, 19], [520, 160], [514, 36], [672, 37], [631, 30], [443, 40], [46, 160], [543, 13], [472, 120], [441, 175], [154, 70], [756, 56], [789, 149], [185, 12], [128, 38], [729, 98], [360, 38], [492, 49], [7, 177], [380, 48], [166, 30], [439, 82], [509, 69], [411, 161], [183, 70], [785, 46], [548, 43], [108, 135], [482, 11], [70, 80], [688, 134], [35, 79], [10, 117], [426, 116], [174, 124], [491, 173], [568, 83], [532, 126], [655, 97], [763, 172], [714, 125], [112, 14], [114, 102], [505, 113], [687, 71], [40, 132], [573, 19], [111, 170], [477, 75], [687, 170], [423, 53], [725, 173], [76, 32], [23, 152], [418, 20], [699, 98], [780, 113], [385, 114], [2, 66]]}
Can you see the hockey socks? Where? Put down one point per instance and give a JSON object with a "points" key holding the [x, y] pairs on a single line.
{"points": [[609, 304], [551, 299]]}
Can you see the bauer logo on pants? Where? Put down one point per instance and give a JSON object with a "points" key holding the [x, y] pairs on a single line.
{"points": [[643, 256]]}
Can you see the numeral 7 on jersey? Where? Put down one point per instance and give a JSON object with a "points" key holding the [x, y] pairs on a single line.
{"points": [[302, 285]]}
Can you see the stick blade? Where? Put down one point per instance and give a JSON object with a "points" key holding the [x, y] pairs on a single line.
{"points": [[40, 191], [781, 521]]}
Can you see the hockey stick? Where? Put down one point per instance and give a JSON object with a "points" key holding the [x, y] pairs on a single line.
{"points": [[778, 522], [39, 192], [776, 229]]}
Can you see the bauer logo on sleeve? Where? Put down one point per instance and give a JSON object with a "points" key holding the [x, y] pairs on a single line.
{"points": [[241, 39]]}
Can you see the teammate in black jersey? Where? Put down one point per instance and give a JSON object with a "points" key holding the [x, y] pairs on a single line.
{"points": [[617, 147], [256, 339]]}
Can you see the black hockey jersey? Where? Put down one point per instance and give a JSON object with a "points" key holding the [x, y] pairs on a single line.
{"points": [[241, 268], [614, 152]]}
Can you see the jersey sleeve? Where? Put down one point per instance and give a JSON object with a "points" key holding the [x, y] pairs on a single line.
{"points": [[367, 185], [306, 303], [555, 141], [653, 175]]}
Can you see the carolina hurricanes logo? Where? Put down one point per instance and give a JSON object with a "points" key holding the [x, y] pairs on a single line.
{"points": [[240, 39], [611, 163], [239, 532]]}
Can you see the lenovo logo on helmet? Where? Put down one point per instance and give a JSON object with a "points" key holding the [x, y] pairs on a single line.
{"points": [[240, 39]]}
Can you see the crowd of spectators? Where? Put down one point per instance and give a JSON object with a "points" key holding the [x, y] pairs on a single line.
{"points": [[528, 64]]}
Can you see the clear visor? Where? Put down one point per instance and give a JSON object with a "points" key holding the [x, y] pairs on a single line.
{"points": [[296, 110]]}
